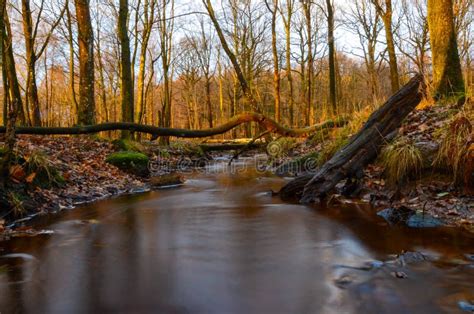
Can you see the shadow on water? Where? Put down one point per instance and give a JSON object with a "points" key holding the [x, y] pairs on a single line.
{"points": [[223, 244]]}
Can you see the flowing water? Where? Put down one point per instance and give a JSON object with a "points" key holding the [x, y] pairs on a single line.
{"points": [[223, 244]]}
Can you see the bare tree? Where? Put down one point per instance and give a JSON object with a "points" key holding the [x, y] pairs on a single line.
{"points": [[287, 18], [385, 11], [365, 21], [273, 8], [414, 38], [86, 109], [125, 66], [30, 31]]}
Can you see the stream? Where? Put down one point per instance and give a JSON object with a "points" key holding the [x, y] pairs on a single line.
{"points": [[221, 243]]}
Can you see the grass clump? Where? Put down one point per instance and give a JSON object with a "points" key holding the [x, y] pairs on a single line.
{"points": [[41, 172], [131, 162], [16, 203], [401, 160], [456, 151]]}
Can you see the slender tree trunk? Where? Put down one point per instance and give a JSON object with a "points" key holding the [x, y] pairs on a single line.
{"points": [[125, 67], [208, 100], [447, 74], [72, 74], [392, 56], [276, 65], [14, 86], [289, 73], [332, 57], [31, 88], [86, 112], [310, 66]]}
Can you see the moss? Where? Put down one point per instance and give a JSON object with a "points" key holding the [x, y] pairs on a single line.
{"points": [[132, 162], [129, 145]]}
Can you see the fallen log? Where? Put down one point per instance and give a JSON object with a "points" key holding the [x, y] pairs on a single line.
{"points": [[265, 122], [362, 148]]}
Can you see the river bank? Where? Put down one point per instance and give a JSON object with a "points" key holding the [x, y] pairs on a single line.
{"points": [[78, 170]]}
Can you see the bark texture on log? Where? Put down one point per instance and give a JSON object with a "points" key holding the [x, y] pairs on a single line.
{"points": [[265, 122], [362, 148]]}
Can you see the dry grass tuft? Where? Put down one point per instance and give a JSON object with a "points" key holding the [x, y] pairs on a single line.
{"points": [[402, 159], [457, 149]]}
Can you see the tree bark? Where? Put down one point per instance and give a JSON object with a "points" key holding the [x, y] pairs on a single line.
{"points": [[332, 57], [310, 65], [10, 66], [362, 148], [31, 88], [276, 64], [86, 109], [13, 106], [386, 14], [447, 74], [125, 66]]}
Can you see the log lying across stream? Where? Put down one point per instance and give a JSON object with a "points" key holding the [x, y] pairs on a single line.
{"points": [[265, 122], [362, 148]]}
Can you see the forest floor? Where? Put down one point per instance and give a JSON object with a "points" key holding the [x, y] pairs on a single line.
{"points": [[429, 197], [85, 176]]}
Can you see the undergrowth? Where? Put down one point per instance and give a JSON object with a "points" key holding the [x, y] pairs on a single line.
{"points": [[402, 160], [456, 151]]}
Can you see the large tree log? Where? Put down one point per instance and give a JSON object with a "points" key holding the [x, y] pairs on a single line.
{"points": [[362, 148], [265, 122]]}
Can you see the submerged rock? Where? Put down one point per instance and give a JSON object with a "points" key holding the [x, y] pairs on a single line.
{"points": [[396, 215], [403, 215], [423, 221]]}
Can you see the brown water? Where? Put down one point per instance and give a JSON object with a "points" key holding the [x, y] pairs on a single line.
{"points": [[223, 244]]}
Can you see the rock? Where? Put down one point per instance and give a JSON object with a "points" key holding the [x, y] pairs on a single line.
{"points": [[403, 215], [423, 221], [466, 306], [166, 180], [132, 162], [396, 215], [428, 150]]}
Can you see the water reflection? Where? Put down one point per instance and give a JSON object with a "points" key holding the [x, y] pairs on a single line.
{"points": [[222, 244]]}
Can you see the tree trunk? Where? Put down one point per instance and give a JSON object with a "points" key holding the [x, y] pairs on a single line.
{"points": [[447, 74], [14, 86], [12, 110], [276, 64], [31, 88], [362, 148], [125, 67], [86, 109], [332, 57], [72, 74], [310, 66], [387, 19], [208, 99]]}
